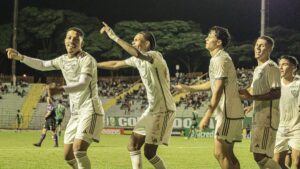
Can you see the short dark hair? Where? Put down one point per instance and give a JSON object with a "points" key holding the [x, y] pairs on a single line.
{"points": [[269, 40], [292, 59], [222, 34], [78, 30], [149, 36]]}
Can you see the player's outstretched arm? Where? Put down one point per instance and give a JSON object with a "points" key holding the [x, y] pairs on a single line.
{"points": [[112, 65], [32, 62], [193, 88], [271, 95], [126, 46]]}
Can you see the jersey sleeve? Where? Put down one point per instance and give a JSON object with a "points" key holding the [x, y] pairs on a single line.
{"points": [[132, 61], [57, 63], [87, 66], [274, 77], [220, 66]]}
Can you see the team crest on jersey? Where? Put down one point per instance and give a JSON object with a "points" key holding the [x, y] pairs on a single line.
{"points": [[295, 93], [294, 90]]}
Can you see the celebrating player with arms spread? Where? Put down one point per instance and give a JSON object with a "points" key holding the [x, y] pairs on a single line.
{"points": [[80, 72], [155, 125]]}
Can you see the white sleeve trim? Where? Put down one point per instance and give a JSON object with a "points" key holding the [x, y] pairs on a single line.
{"points": [[84, 81], [38, 64]]}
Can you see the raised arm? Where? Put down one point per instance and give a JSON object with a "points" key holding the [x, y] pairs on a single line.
{"points": [[126, 46], [32, 62]]}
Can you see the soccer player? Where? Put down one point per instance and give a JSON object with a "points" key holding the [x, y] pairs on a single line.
{"points": [[193, 126], [265, 93], [19, 119], [80, 73], [288, 134], [59, 116], [49, 124], [155, 125], [225, 101]]}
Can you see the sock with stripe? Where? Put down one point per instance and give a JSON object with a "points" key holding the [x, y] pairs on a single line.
{"points": [[136, 159], [73, 163], [82, 159], [268, 163], [157, 162]]}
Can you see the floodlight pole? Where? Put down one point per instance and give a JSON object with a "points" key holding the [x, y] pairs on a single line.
{"points": [[263, 17], [14, 41]]}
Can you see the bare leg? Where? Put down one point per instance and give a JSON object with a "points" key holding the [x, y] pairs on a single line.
{"points": [[222, 153], [136, 141], [296, 158]]}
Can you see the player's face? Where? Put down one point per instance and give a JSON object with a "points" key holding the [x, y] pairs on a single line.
{"points": [[262, 50], [211, 41], [286, 68], [140, 43], [73, 42]]}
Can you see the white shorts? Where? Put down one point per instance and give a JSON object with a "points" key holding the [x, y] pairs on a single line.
{"points": [[229, 130], [84, 126], [286, 139], [156, 127], [263, 140]]}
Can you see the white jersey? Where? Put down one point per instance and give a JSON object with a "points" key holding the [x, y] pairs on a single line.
{"points": [[221, 67], [290, 105], [156, 79], [265, 78], [71, 69]]}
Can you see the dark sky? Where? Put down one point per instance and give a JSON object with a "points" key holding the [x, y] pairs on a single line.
{"points": [[242, 17]]}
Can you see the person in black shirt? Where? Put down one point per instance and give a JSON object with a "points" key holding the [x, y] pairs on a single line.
{"points": [[49, 124]]}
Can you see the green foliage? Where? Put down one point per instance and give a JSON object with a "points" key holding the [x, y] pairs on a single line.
{"points": [[41, 34], [176, 39], [5, 36], [242, 55], [286, 41]]}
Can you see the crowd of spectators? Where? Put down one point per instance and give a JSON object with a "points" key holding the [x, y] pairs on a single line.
{"points": [[138, 98], [19, 89]]}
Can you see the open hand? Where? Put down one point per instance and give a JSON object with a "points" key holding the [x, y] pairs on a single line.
{"points": [[13, 54]]}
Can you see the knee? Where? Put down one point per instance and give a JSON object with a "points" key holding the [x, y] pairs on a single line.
{"points": [[132, 147], [68, 157], [219, 155], [135, 143]]}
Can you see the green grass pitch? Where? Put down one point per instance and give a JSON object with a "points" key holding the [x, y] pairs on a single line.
{"points": [[17, 152]]}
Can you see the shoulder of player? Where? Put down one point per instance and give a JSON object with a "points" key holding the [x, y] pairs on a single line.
{"points": [[272, 64], [86, 57], [153, 53]]}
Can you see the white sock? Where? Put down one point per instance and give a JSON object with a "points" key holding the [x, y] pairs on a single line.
{"points": [[82, 160], [73, 163], [136, 159], [268, 163], [157, 162]]}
